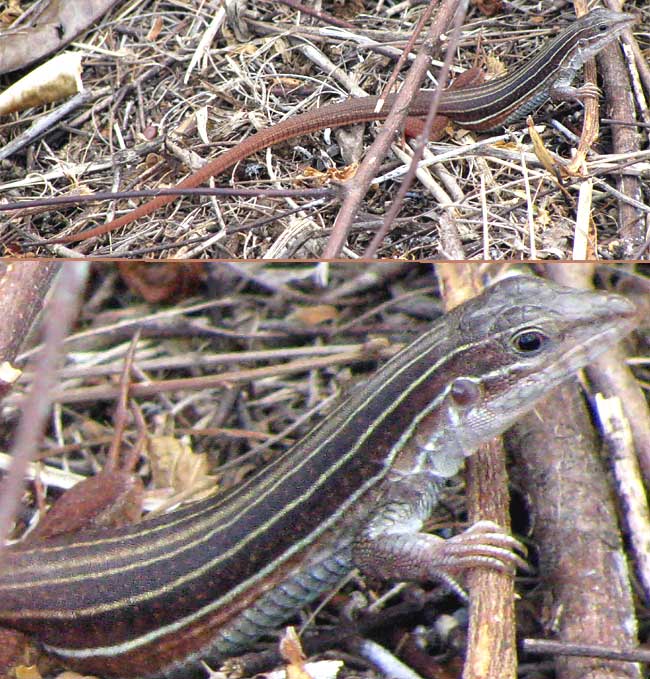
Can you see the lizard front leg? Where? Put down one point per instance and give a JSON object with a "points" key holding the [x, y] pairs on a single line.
{"points": [[391, 546], [561, 88]]}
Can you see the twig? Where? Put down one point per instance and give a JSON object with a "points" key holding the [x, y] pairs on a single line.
{"points": [[368, 169], [62, 311], [420, 146], [491, 651]]}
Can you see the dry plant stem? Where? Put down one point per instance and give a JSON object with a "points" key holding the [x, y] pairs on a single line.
{"points": [[109, 393], [491, 649], [112, 459], [620, 106], [591, 124], [205, 361], [591, 650], [62, 201], [611, 376], [408, 48], [317, 35], [630, 488], [356, 189], [173, 322], [23, 287], [310, 11], [418, 153], [62, 311], [366, 278], [451, 244], [643, 69], [583, 221], [586, 588], [45, 123]]}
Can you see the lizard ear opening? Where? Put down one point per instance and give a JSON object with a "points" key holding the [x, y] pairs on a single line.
{"points": [[465, 392]]}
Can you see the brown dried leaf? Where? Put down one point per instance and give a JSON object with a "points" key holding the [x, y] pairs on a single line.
{"points": [[347, 9], [494, 67], [544, 157], [175, 465], [155, 29], [339, 174], [106, 500], [489, 7], [292, 652], [159, 282], [17, 654], [57, 24], [315, 314]]}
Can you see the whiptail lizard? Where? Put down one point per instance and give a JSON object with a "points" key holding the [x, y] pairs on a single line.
{"points": [[547, 74], [207, 580]]}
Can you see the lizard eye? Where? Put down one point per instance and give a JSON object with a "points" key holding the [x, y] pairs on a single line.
{"points": [[529, 341]]}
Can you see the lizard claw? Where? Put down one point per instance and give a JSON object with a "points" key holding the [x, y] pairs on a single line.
{"points": [[588, 90], [485, 544]]}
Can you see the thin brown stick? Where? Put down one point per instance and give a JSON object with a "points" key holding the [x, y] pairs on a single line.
{"points": [[107, 393], [548, 647], [418, 152], [62, 310], [23, 288], [356, 190], [625, 139], [491, 642], [121, 411]]}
